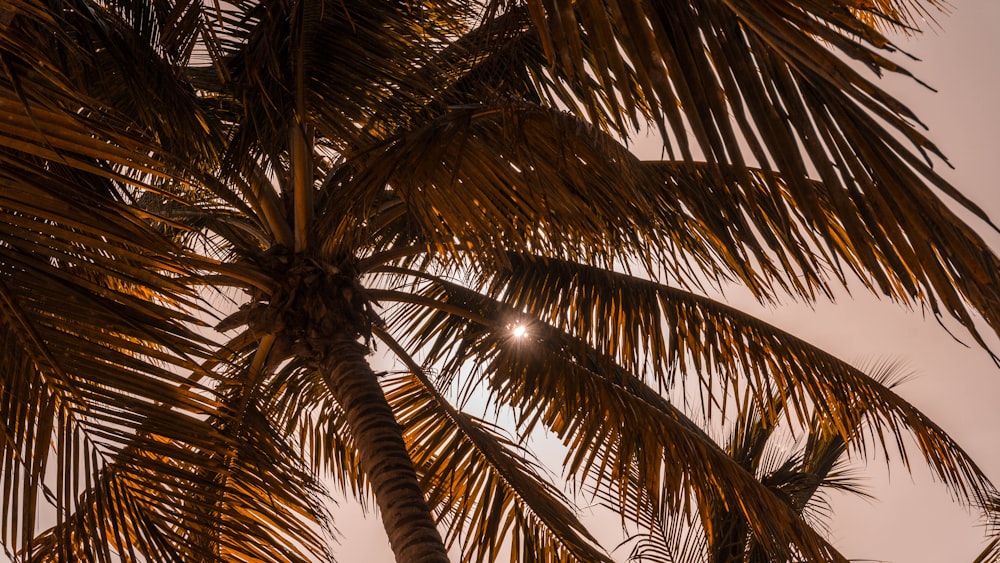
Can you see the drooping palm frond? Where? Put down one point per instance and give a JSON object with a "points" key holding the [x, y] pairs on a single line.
{"points": [[90, 83], [366, 92], [92, 317], [249, 496], [244, 501], [621, 434], [630, 466], [525, 178], [483, 486], [92, 359], [544, 375], [95, 329], [800, 471], [479, 483], [896, 15], [698, 61], [689, 334], [786, 88]]}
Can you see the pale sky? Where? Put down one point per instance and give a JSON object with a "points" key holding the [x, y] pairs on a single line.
{"points": [[913, 519]]}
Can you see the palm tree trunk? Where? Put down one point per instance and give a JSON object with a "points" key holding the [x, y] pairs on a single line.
{"points": [[407, 519]]}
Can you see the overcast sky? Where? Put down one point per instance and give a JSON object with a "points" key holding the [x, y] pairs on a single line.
{"points": [[913, 519]]}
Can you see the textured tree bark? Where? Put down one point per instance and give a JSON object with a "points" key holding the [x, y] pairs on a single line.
{"points": [[407, 519]]}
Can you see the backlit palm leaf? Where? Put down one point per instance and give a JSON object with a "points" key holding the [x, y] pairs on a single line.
{"points": [[523, 177], [482, 486], [546, 375], [639, 436], [334, 159], [686, 333]]}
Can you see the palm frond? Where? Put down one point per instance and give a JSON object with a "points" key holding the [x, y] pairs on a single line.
{"points": [[924, 255], [93, 323], [300, 405], [510, 175], [627, 438], [85, 59], [482, 484], [154, 150], [991, 509], [656, 465], [721, 73], [378, 45], [524, 178], [523, 373], [677, 539], [627, 318], [239, 491], [244, 500]]}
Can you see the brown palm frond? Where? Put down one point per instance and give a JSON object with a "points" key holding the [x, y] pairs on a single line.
{"points": [[379, 45], [689, 334], [702, 337], [331, 158], [91, 363], [93, 318], [86, 60], [93, 307], [800, 471], [483, 485], [241, 493], [908, 16], [646, 452], [524, 178], [626, 439], [798, 107], [244, 500], [991, 553], [696, 62], [929, 257], [509, 175]]}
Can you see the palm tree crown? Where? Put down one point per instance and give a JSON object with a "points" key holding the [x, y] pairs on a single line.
{"points": [[324, 179]]}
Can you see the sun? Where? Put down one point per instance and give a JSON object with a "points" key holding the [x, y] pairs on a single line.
{"points": [[519, 331]]}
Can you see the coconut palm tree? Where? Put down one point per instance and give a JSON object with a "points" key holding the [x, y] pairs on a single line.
{"points": [[447, 183]]}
